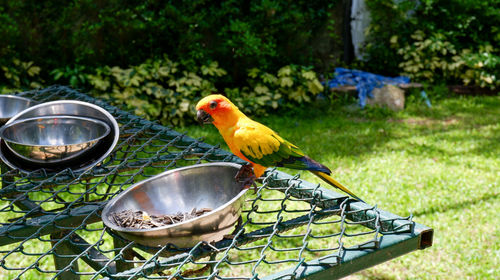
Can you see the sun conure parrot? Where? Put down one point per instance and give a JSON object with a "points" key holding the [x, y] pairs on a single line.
{"points": [[255, 142]]}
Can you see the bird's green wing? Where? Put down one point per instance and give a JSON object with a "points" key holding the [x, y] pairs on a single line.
{"points": [[265, 147]]}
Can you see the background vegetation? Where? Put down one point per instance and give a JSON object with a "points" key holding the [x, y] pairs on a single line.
{"points": [[238, 34], [433, 41], [158, 58]]}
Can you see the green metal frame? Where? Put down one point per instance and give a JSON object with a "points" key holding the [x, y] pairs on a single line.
{"points": [[146, 147], [406, 237]]}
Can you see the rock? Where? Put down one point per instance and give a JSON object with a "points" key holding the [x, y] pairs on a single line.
{"points": [[388, 96]]}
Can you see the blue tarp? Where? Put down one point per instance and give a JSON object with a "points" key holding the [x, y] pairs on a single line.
{"points": [[365, 82]]}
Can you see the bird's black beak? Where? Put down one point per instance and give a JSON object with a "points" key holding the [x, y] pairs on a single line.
{"points": [[203, 117]]}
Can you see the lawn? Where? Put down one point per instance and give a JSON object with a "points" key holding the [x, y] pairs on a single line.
{"points": [[441, 164]]}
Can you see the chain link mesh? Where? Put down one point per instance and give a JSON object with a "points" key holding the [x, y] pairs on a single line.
{"points": [[51, 227]]}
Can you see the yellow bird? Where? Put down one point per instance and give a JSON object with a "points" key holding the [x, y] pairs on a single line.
{"points": [[256, 143]]}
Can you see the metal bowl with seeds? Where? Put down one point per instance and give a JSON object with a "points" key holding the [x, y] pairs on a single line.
{"points": [[181, 207]]}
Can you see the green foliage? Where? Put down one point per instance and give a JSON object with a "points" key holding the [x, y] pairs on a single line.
{"points": [[157, 89], [291, 87], [92, 33], [482, 67], [436, 40], [74, 76], [21, 75], [431, 57], [168, 91]]}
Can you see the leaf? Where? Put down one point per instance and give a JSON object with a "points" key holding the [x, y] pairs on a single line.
{"points": [[164, 71], [286, 82], [269, 79], [221, 72], [184, 105], [315, 87], [285, 71], [34, 70], [192, 79], [35, 85], [99, 83], [206, 70], [299, 94], [418, 35], [128, 93], [309, 75], [487, 79], [253, 73], [73, 81], [212, 69], [116, 70], [133, 78], [57, 74], [261, 89], [394, 39]]}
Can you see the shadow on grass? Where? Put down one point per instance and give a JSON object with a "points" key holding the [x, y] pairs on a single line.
{"points": [[373, 275], [486, 146], [457, 205], [344, 133]]}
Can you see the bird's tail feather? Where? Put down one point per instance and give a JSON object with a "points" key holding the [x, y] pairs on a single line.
{"points": [[325, 177]]}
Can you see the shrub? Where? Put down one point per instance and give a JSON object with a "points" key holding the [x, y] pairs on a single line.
{"points": [[436, 40], [157, 89], [92, 33], [21, 75], [430, 58], [291, 87], [168, 91]]}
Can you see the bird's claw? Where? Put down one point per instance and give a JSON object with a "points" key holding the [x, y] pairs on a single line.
{"points": [[246, 177]]}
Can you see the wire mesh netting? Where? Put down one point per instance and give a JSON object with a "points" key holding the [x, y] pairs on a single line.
{"points": [[51, 225]]}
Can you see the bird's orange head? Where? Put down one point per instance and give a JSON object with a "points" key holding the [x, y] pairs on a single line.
{"points": [[217, 109]]}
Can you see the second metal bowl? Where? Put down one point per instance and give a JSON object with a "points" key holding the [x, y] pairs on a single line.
{"points": [[53, 139]]}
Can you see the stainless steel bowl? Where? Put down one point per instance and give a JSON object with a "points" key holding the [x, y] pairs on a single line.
{"points": [[54, 139], [70, 108], [210, 185], [10, 105]]}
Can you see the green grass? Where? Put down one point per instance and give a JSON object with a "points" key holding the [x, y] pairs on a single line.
{"points": [[442, 164]]}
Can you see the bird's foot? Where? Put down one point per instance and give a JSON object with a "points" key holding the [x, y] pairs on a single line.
{"points": [[246, 177]]}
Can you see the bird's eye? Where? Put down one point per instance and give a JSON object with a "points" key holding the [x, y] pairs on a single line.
{"points": [[213, 104]]}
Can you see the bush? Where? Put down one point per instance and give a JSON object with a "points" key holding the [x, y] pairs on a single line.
{"points": [[20, 75], [430, 58], [168, 91], [291, 87], [93, 33], [156, 89], [436, 40]]}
